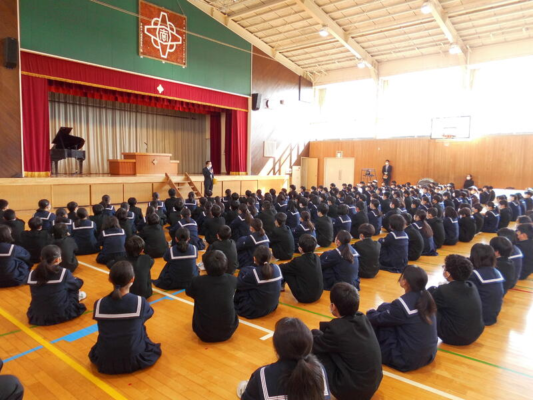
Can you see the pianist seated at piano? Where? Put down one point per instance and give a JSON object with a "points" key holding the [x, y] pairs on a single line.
{"points": [[67, 146]]}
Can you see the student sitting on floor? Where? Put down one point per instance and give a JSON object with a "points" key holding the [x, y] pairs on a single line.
{"points": [[137, 211], [416, 241], [394, 210], [395, 246], [437, 226], [61, 217], [293, 215], [306, 227], [17, 225], [142, 265], [227, 246], [123, 346], [258, 286], [359, 218], [368, 251], [524, 234], [304, 274], [190, 224], [407, 328], [10, 386], [479, 219], [341, 264], [55, 292], [98, 217], [68, 247], [45, 215], [72, 208], [181, 267], [348, 348], [492, 219], [213, 223], [214, 318], [459, 309], [240, 226], [516, 256], [267, 215], [488, 280], [246, 245], [282, 239], [122, 216], [502, 249], [296, 374], [505, 214], [323, 226], [35, 239], [14, 260], [467, 225], [84, 233], [426, 232], [112, 240], [109, 209], [342, 221], [375, 217], [155, 241], [4, 205], [451, 226]]}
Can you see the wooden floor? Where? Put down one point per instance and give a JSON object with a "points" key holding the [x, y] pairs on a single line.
{"points": [[52, 361]]}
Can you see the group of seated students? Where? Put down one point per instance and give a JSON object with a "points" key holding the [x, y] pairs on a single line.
{"points": [[245, 233]]}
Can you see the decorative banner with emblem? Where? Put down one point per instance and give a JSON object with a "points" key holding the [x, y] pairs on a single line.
{"points": [[162, 34]]}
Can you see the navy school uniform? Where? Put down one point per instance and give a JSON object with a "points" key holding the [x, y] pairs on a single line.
{"points": [[439, 234], [239, 228], [191, 205], [351, 211], [394, 251], [304, 277], [336, 269], [457, 203], [257, 296], [489, 282], [515, 210], [47, 217], [155, 241], [375, 220], [84, 233], [505, 217], [142, 266], [192, 226], [523, 207], [123, 345], [429, 243], [526, 247], [299, 231], [230, 216], [517, 259], [55, 301], [313, 209], [358, 219], [451, 230], [293, 219], [492, 220], [324, 231], [281, 207], [179, 269], [112, 242], [459, 312], [10, 386], [506, 267], [211, 228], [17, 226], [407, 342], [268, 219], [109, 211], [467, 229], [246, 246], [127, 226], [368, 251], [341, 222], [34, 241], [529, 203], [68, 248], [479, 219], [138, 213], [282, 243], [99, 222], [416, 243], [387, 216], [68, 223], [14, 265], [229, 248], [266, 382]]}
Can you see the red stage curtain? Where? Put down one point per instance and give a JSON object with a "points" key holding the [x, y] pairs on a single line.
{"points": [[36, 126], [236, 142], [216, 142]]}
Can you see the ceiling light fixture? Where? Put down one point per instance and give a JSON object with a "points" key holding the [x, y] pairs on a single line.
{"points": [[426, 8], [324, 31], [455, 49], [361, 64]]}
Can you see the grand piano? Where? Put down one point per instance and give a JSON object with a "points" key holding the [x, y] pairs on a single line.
{"points": [[67, 146]]}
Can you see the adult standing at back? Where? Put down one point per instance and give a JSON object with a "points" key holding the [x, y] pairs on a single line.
{"points": [[386, 171], [469, 182], [208, 177]]}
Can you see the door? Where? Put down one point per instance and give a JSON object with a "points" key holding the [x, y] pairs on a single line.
{"points": [[338, 171], [309, 172]]}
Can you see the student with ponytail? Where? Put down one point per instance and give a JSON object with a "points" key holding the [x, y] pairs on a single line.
{"points": [[190, 224], [306, 227], [297, 375], [181, 263], [123, 345], [14, 260], [109, 209], [407, 328], [246, 245], [240, 226], [427, 233], [55, 292], [395, 246], [258, 286], [84, 233], [341, 264], [112, 239]]}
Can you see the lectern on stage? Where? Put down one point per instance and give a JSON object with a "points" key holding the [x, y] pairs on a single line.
{"points": [[144, 164]]}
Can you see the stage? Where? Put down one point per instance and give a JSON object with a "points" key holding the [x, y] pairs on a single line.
{"points": [[23, 194]]}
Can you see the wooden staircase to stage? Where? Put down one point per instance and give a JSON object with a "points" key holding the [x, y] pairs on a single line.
{"points": [[185, 186]]}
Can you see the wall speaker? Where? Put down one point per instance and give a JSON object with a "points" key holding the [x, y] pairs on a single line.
{"points": [[256, 101], [11, 52]]}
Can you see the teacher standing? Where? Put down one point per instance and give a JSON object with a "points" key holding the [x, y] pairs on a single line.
{"points": [[208, 177], [387, 172]]}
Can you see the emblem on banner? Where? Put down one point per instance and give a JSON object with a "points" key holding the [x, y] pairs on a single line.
{"points": [[162, 34]]}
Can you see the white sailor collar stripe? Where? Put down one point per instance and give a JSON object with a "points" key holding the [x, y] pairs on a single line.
{"points": [[45, 218], [33, 282], [173, 257], [121, 233], [399, 236], [75, 228], [260, 241], [8, 254], [485, 281], [137, 313], [262, 281], [406, 307]]}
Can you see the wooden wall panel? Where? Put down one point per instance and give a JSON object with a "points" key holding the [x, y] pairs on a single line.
{"points": [[11, 148], [500, 161], [115, 190], [275, 82], [248, 185], [63, 194], [266, 184], [26, 197], [217, 189], [234, 186], [141, 191]]}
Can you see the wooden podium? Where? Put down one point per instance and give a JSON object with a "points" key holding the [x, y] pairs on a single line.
{"points": [[144, 164]]}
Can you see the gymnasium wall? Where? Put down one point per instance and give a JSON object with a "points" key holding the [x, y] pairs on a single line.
{"points": [[500, 161], [11, 148], [279, 123], [90, 32]]}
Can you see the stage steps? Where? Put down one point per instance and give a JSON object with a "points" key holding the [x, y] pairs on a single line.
{"points": [[184, 186]]}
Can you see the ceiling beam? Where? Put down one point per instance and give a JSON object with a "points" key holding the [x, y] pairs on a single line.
{"points": [[239, 30], [446, 25], [259, 7], [338, 33]]}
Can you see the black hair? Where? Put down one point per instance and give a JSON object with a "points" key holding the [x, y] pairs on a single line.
{"points": [[155, 196], [10, 215], [172, 192], [344, 238], [182, 236], [449, 212], [523, 219], [43, 204], [307, 243], [121, 214], [35, 223], [216, 211], [482, 255], [72, 205], [110, 222], [191, 198], [267, 205], [207, 162], [262, 256], [186, 214], [478, 207], [367, 230], [47, 267], [105, 200], [120, 275], [459, 267], [134, 245], [293, 341], [465, 212], [3, 204], [426, 229], [433, 212], [502, 245], [323, 208], [125, 205], [345, 297], [526, 229], [5, 234], [224, 232], [306, 220], [153, 219], [281, 218], [215, 263], [397, 222], [60, 231], [245, 212], [132, 201], [417, 279]]}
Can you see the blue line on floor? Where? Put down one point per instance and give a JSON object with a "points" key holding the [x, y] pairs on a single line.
{"points": [[71, 337]]}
